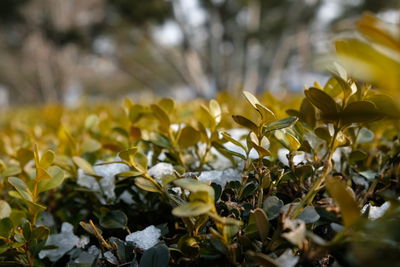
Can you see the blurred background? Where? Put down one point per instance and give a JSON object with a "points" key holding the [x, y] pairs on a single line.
{"points": [[67, 50]]}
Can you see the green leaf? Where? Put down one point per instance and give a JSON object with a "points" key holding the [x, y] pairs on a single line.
{"points": [[245, 122], [91, 122], [146, 185], [272, 206], [90, 146], [167, 104], [226, 152], [162, 117], [40, 233], [5, 209], [323, 133], [251, 99], [358, 112], [47, 159], [281, 124], [308, 112], [11, 171], [128, 155], [57, 177], [262, 223], [322, 101], [194, 186], [157, 256], [332, 87], [293, 143], [91, 229], [188, 137], [135, 113], [84, 165], [262, 259], [266, 114], [114, 219], [342, 196], [357, 155], [24, 156], [229, 138], [21, 187], [140, 162], [386, 105], [6, 227], [190, 209], [248, 190]]}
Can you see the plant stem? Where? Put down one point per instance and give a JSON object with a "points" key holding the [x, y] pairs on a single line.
{"points": [[307, 200]]}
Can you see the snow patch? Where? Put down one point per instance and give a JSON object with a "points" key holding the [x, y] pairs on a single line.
{"points": [[376, 212], [221, 177], [146, 238], [64, 241], [160, 170], [106, 185]]}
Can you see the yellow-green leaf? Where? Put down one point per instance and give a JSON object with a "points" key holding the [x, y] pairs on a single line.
{"points": [[84, 165], [190, 209], [188, 137], [146, 185], [344, 199], [21, 187]]}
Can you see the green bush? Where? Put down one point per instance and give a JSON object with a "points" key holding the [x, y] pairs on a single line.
{"points": [[306, 181]]}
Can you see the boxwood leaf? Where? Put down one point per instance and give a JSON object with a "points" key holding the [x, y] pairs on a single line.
{"points": [[21, 187], [262, 223], [344, 199], [281, 124], [57, 177], [114, 219], [359, 111], [321, 100], [188, 137], [190, 209], [146, 185], [84, 165], [243, 121], [157, 256]]}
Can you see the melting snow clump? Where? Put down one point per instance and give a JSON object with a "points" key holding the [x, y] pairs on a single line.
{"points": [[160, 170], [64, 241], [221, 177], [376, 212], [146, 238], [105, 187], [83, 241]]}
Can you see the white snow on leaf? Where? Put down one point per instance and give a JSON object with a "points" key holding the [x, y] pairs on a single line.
{"points": [[177, 190], [287, 259], [160, 170], [87, 181], [93, 250], [106, 185], [376, 212], [221, 177], [110, 257], [83, 241], [126, 197], [146, 238], [45, 218], [65, 241]]}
